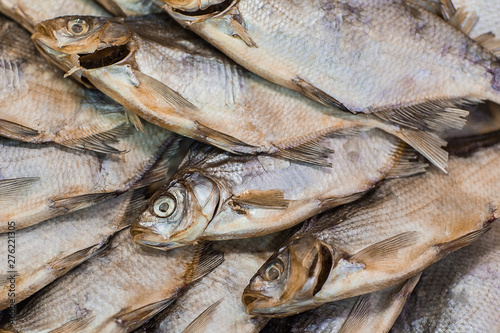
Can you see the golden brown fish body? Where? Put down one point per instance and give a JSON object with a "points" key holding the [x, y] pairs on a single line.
{"points": [[30, 12], [174, 80], [115, 291], [220, 292], [37, 105], [130, 7], [458, 294], [368, 56], [66, 241], [216, 195], [38, 182], [375, 312], [402, 228]]}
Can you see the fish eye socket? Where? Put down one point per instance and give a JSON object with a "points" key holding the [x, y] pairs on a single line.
{"points": [[78, 26], [164, 206], [273, 270]]}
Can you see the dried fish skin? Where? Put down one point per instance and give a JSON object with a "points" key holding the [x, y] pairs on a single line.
{"points": [[30, 12], [220, 292], [66, 241], [215, 195], [174, 80], [116, 291], [355, 67], [129, 7], [407, 225], [459, 293], [38, 182], [37, 105]]}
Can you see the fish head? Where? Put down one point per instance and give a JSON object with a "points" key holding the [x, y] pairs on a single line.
{"points": [[76, 43], [192, 11], [177, 214], [287, 282]]}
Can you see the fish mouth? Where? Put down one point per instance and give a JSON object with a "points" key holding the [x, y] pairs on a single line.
{"points": [[326, 265], [143, 236], [107, 56], [252, 300], [211, 11]]}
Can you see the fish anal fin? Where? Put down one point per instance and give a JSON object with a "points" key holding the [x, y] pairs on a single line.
{"points": [[337, 201], [15, 187], [407, 163], [317, 94], [204, 261], [197, 325], [262, 198], [129, 320], [428, 144], [16, 131], [80, 201], [380, 254], [74, 325], [99, 142], [239, 30], [448, 247], [65, 264], [313, 152]]}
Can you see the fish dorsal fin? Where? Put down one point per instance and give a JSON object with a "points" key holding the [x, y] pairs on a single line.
{"points": [[99, 142], [377, 311], [380, 254], [429, 145], [197, 325], [16, 131], [74, 325], [406, 164], [63, 265], [79, 202], [15, 187], [490, 42], [129, 320], [316, 94], [313, 152], [447, 9], [258, 198], [447, 248], [204, 261], [463, 21]]}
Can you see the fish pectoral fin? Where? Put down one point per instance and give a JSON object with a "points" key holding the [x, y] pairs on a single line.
{"points": [[204, 261], [63, 265], [239, 30], [313, 152], [337, 201], [15, 187], [428, 144], [129, 320], [80, 201], [74, 325], [221, 140], [317, 94], [197, 325], [446, 248], [134, 208], [134, 119], [16, 131], [99, 142], [265, 199], [380, 254], [407, 163], [371, 306]]}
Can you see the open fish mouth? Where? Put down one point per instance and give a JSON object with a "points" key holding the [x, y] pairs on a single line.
{"points": [[250, 299], [211, 10], [104, 57]]}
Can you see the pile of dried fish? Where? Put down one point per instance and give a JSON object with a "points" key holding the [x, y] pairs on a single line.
{"points": [[343, 150]]}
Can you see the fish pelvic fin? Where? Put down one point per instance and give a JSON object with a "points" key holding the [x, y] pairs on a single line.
{"points": [[129, 320], [15, 187], [99, 142], [239, 30], [75, 325], [204, 261], [337, 201], [407, 163], [380, 254], [68, 205], [221, 140], [428, 144], [16, 131], [265, 199], [313, 152], [317, 94], [449, 247], [197, 325], [63, 265]]}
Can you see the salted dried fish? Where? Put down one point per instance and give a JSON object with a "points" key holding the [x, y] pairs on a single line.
{"points": [[215, 195], [115, 291], [49, 250], [174, 80], [38, 182], [130, 7], [405, 226]]}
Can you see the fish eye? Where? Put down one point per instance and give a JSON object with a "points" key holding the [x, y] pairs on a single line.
{"points": [[78, 26], [274, 270], [164, 206]]}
